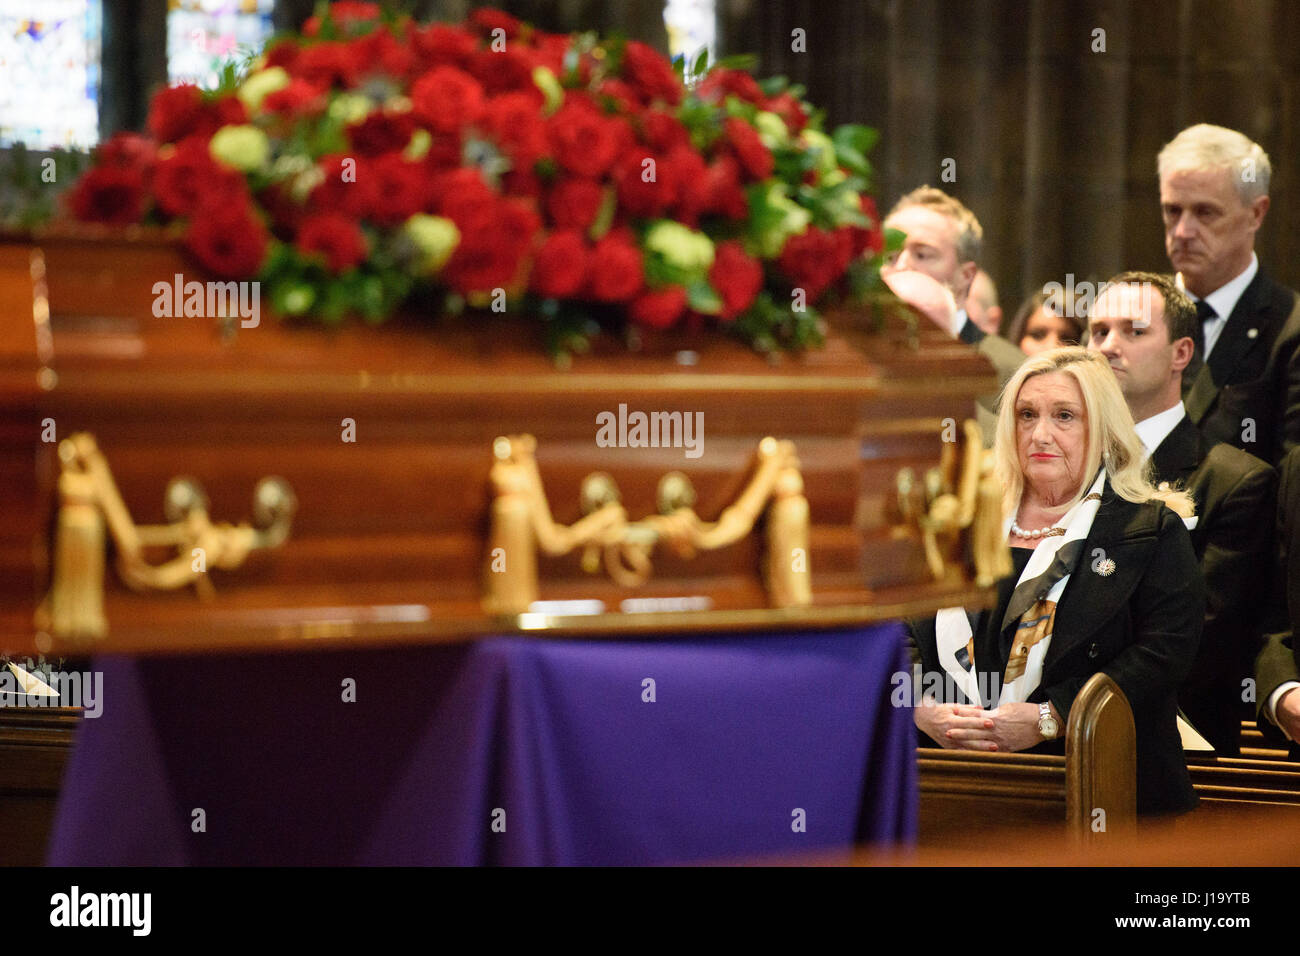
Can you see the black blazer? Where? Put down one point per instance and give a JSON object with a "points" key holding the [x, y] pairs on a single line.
{"points": [[1251, 377], [1233, 539], [1140, 625], [1279, 658]]}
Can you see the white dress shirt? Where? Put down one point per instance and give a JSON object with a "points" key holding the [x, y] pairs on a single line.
{"points": [[959, 320], [1223, 300], [1156, 429]]}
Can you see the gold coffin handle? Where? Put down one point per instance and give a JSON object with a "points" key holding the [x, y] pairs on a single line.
{"points": [[521, 524], [89, 503], [961, 494]]}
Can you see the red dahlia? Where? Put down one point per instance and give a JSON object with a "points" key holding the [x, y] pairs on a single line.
{"points": [[111, 194], [228, 241]]}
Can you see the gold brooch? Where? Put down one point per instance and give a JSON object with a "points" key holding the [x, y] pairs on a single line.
{"points": [[1105, 567]]}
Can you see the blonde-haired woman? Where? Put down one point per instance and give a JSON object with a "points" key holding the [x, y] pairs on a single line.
{"points": [[1105, 580]]}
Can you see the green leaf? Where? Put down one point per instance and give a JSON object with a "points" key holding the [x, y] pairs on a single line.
{"points": [[701, 65], [703, 298], [856, 137], [738, 61], [894, 239]]}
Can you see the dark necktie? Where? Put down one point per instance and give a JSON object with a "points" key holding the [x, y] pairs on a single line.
{"points": [[1204, 313]]}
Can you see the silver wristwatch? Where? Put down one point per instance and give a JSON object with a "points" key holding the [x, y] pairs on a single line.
{"points": [[1047, 725]]}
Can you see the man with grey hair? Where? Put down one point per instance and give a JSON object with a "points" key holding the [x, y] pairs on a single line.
{"points": [[1243, 386]]}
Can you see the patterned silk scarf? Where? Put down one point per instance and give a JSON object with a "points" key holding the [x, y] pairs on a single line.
{"points": [[1032, 608]]}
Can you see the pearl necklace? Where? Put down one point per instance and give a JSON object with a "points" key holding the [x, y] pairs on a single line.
{"points": [[1020, 532]]}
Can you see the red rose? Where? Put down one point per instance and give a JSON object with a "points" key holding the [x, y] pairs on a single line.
{"points": [[725, 196], [299, 98], [112, 194], [282, 54], [182, 111], [328, 64], [347, 15], [190, 178], [551, 51], [521, 182], [650, 74], [790, 110], [515, 123], [663, 131], [815, 260], [489, 19], [689, 170], [560, 266], [493, 245], [388, 54], [617, 97], [755, 158], [616, 271], [129, 151], [647, 184], [336, 193], [381, 133], [335, 236], [447, 99], [228, 241], [721, 83], [504, 71], [737, 277], [585, 142], [658, 308], [573, 203], [175, 112], [441, 45], [460, 189]]}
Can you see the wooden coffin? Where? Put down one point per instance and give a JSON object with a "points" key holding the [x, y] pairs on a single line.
{"points": [[389, 541]]}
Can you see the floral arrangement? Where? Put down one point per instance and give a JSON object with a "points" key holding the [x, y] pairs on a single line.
{"points": [[588, 182]]}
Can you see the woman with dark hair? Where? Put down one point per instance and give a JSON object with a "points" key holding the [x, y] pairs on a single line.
{"points": [[1044, 322]]}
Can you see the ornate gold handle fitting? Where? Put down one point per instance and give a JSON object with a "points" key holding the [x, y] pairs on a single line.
{"points": [[960, 494], [89, 502], [522, 524]]}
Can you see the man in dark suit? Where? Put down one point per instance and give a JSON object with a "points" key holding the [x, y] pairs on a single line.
{"points": [[1243, 386], [1145, 328], [1277, 668]]}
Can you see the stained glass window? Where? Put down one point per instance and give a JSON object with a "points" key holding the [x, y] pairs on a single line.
{"points": [[692, 26], [204, 35], [49, 72]]}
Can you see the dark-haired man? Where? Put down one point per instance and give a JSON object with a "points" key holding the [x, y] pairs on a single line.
{"points": [[1145, 327]]}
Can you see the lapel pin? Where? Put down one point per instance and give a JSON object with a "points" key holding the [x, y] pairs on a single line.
{"points": [[1252, 333], [1105, 567]]}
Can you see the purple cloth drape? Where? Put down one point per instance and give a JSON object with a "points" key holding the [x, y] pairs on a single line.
{"points": [[511, 750]]}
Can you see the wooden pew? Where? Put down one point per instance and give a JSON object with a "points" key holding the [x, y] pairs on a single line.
{"points": [[965, 792], [34, 746]]}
